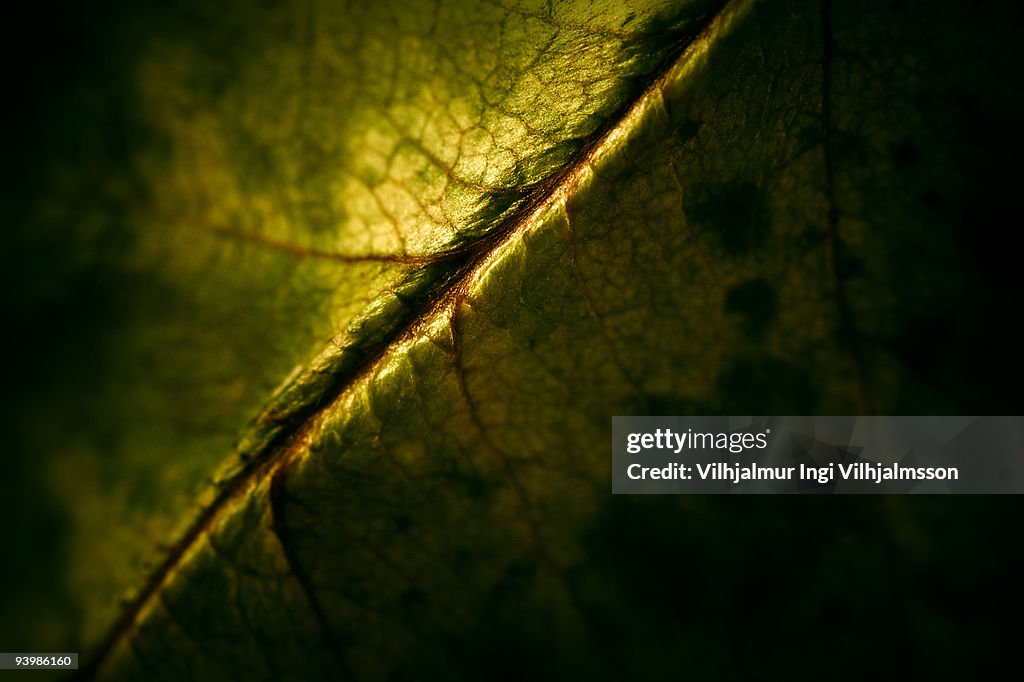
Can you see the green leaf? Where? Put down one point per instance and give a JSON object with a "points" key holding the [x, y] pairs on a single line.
{"points": [[322, 372]]}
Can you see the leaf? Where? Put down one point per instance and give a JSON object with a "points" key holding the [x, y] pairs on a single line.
{"points": [[511, 223]]}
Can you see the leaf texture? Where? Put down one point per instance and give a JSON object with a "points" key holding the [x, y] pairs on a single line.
{"points": [[512, 222]]}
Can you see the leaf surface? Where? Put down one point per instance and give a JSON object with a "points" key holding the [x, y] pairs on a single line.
{"points": [[512, 223]]}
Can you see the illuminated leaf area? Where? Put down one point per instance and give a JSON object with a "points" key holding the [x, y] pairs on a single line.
{"points": [[322, 310]]}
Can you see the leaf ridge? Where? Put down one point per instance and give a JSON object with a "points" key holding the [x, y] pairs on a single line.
{"points": [[269, 446]]}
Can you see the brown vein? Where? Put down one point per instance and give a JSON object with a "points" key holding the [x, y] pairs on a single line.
{"points": [[294, 437], [250, 236]]}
